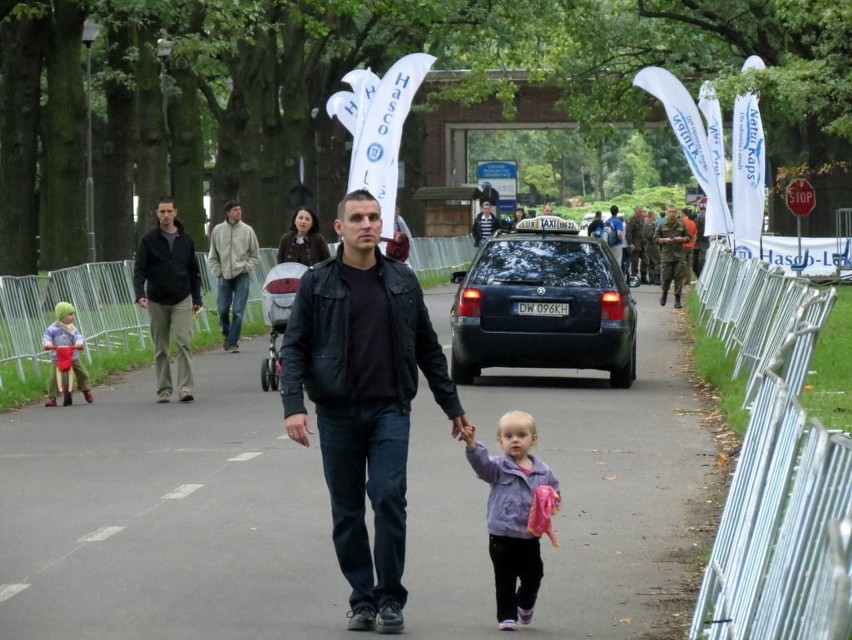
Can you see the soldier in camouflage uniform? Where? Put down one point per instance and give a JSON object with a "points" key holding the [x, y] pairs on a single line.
{"points": [[671, 236], [650, 252], [634, 239]]}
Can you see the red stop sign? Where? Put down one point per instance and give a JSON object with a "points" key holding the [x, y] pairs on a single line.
{"points": [[801, 197]]}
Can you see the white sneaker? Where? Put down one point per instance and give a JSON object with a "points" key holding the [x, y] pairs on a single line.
{"points": [[525, 616]]}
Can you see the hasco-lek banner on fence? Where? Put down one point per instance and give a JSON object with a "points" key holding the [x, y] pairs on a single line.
{"points": [[748, 159], [783, 251], [689, 129]]}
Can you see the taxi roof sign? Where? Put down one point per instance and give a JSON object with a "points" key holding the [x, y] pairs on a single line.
{"points": [[547, 223]]}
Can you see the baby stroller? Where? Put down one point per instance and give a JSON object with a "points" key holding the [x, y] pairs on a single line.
{"points": [[277, 296]]}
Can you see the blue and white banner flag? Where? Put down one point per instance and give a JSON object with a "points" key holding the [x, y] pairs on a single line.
{"points": [[364, 84], [708, 103], [748, 160], [344, 106], [689, 130], [376, 149]]}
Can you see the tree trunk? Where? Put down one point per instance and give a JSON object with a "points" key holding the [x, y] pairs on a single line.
{"points": [[64, 240], [187, 143], [263, 147], [114, 172], [601, 172], [304, 144], [225, 183], [22, 51], [152, 175]]}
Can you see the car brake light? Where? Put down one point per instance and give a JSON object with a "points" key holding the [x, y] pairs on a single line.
{"points": [[612, 306], [470, 303]]}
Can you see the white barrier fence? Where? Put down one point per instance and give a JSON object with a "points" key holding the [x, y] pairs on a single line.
{"points": [[102, 294], [781, 565]]}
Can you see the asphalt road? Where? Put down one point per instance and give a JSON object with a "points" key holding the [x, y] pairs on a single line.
{"points": [[126, 519]]}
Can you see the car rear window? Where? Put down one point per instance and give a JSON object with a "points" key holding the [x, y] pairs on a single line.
{"points": [[543, 262]]}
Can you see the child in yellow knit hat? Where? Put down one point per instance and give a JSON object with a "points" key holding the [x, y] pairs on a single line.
{"points": [[63, 333]]}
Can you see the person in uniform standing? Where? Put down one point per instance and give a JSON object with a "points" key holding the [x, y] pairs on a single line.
{"points": [[635, 225], [671, 236], [650, 252]]}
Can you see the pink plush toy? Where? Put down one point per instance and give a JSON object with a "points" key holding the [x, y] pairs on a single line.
{"points": [[545, 504]]}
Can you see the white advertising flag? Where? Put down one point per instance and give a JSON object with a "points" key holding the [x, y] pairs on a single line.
{"points": [[748, 159], [708, 103], [376, 149], [687, 126], [344, 106], [365, 84]]}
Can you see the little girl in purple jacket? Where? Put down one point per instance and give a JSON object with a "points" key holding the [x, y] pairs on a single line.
{"points": [[514, 476]]}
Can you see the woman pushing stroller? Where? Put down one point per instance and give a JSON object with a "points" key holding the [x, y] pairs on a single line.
{"points": [[303, 243]]}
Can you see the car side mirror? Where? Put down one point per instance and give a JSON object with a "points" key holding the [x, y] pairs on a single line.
{"points": [[458, 277], [633, 281]]}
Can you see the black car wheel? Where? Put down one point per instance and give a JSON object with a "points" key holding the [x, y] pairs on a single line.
{"points": [[623, 377], [460, 373], [264, 375]]}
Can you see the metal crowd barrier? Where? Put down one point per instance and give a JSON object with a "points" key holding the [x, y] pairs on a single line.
{"points": [[781, 565], [102, 294], [751, 305]]}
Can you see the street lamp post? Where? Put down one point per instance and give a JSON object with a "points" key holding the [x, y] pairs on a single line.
{"points": [[90, 33]]}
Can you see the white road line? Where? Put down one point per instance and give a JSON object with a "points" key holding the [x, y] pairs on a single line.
{"points": [[182, 491], [245, 456], [9, 590], [101, 534], [284, 437]]}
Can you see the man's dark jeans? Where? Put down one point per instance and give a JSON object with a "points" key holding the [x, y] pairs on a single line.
{"points": [[365, 450], [233, 292]]}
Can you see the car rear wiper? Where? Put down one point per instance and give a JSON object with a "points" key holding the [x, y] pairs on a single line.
{"points": [[529, 282]]}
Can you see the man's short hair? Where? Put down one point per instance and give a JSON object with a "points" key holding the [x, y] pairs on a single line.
{"points": [[230, 204], [613, 210], [359, 195]]}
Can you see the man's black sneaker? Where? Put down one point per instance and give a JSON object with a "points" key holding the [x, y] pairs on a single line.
{"points": [[362, 619], [390, 619]]}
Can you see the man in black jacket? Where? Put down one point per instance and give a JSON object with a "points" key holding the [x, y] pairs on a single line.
{"points": [[165, 262], [358, 331]]}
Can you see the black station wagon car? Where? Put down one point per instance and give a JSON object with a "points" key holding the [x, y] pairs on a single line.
{"points": [[543, 296]]}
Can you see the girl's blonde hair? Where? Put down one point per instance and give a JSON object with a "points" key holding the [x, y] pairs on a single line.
{"points": [[517, 416]]}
